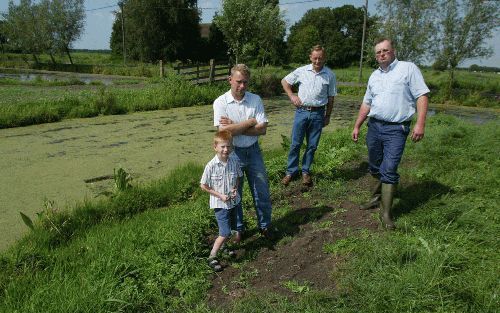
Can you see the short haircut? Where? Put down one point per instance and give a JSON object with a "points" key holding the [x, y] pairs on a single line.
{"points": [[318, 48], [223, 135], [242, 68], [380, 39]]}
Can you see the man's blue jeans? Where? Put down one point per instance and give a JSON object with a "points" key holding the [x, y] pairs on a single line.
{"points": [[308, 124], [386, 143], [252, 166]]}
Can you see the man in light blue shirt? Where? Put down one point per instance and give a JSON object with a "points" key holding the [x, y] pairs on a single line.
{"points": [[314, 103], [395, 91]]}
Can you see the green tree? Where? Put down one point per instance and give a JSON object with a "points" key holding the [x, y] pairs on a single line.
{"points": [[49, 26], [410, 24], [25, 29], [66, 23], [3, 36], [158, 30], [339, 30], [463, 28], [252, 29], [217, 46]]}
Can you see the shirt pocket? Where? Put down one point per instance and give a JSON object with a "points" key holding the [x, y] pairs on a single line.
{"points": [[397, 86], [216, 180]]}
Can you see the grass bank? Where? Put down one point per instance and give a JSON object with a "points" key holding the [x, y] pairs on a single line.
{"points": [[143, 249], [21, 107]]}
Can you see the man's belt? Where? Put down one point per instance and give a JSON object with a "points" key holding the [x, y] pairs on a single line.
{"points": [[312, 108], [390, 123]]}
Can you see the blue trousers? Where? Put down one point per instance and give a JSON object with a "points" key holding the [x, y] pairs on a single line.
{"points": [[308, 124], [386, 143], [253, 168]]}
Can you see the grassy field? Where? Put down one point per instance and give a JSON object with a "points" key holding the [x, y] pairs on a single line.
{"points": [[143, 249]]}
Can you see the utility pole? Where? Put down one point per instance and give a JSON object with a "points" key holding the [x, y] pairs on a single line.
{"points": [[363, 42], [120, 3]]}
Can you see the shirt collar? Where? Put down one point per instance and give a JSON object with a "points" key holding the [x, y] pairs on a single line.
{"points": [[390, 67], [310, 68], [230, 97], [219, 161]]}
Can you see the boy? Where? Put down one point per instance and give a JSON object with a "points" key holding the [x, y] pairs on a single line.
{"points": [[220, 179]]}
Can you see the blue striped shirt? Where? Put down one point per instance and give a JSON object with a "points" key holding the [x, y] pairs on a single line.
{"points": [[314, 88], [222, 177], [392, 94]]}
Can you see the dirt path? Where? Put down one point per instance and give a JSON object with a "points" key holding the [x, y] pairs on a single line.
{"points": [[296, 255]]}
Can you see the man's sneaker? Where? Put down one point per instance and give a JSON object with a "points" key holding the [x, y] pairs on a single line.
{"points": [[266, 233], [307, 180], [286, 180], [237, 236]]}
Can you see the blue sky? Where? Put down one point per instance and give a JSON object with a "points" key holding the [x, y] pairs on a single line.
{"points": [[100, 17]]}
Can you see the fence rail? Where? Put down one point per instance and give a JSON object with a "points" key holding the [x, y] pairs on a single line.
{"points": [[200, 73]]}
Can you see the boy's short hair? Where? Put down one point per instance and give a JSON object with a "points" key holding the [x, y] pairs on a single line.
{"points": [[242, 68], [223, 135]]}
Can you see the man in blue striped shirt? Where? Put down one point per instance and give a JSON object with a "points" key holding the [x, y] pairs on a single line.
{"points": [[395, 91], [314, 103]]}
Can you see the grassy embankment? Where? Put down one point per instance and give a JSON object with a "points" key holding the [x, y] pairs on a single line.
{"points": [[39, 101], [144, 248]]}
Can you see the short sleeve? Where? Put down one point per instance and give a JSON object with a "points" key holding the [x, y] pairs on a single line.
{"points": [[205, 177], [260, 114], [219, 109], [332, 86], [368, 97], [293, 77], [416, 82]]}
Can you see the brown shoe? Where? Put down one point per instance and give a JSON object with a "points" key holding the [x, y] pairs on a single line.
{"points": [[286, 180], [307, 180]]}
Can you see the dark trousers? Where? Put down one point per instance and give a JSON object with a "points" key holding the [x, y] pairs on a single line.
{"points": [[386, 143]]}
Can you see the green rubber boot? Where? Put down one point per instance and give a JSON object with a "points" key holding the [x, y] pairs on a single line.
{"points": [[375, 200], [387, 195]]}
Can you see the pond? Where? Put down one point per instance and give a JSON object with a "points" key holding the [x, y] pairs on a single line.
{"points": [[71, 160], [63, 76]]}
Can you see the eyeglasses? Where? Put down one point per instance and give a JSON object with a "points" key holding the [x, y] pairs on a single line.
{"points": [[385, 51]]}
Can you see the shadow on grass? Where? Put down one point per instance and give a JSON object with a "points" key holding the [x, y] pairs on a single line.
{"points": [[415, 195], [285, 226], [350, 172]]}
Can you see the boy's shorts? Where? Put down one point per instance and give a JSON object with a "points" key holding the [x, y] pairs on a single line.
{"points": [[225, 220]]}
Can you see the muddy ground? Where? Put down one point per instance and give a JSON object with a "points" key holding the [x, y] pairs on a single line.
{"points": [[295, 256]]}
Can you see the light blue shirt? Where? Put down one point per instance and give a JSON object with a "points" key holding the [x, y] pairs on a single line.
{"points": [[392, 94], [250, 106], [314, 88]]}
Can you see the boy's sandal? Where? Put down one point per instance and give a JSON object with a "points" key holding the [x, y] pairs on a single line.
{"points": [[229, 252], [214, 264]]}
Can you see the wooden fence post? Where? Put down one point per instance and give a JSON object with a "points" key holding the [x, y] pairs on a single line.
{"points": [[161, 69], [197, 72], [212, 71]]}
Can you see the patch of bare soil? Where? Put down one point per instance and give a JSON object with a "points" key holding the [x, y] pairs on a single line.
{"points": [[295, 253]]}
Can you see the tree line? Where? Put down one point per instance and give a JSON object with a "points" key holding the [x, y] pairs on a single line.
{"points": [[439, 32], [48, 26]]}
